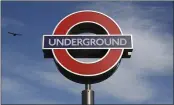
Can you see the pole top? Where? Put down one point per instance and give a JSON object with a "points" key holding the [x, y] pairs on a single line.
{"points": [[88, 86]]}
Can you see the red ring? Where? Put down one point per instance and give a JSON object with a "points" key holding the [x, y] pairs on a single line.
{"points": [[82, 69]]}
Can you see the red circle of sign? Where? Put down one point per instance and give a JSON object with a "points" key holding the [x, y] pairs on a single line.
{"points": [[102, 66]]}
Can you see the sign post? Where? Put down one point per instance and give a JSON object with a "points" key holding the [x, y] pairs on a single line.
{"points": [[87, 95], [107, 43]]}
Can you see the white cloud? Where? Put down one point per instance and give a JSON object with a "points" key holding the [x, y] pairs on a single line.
{"points": [[12, 87], [152, 49], [152, 55], [9, 21], [9, 85]]}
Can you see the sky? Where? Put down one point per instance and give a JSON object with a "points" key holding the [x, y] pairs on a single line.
{"points": [[28, 78]]}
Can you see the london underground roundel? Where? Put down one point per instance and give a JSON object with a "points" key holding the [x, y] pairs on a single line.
{"points": [[87, 34]]}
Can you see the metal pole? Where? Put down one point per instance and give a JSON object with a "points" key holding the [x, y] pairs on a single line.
{"points": [[87, 95]]}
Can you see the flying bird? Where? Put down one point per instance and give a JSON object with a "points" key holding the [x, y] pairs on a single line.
{"points": [[14, 34]]}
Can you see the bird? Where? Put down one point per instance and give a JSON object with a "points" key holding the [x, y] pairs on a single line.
{"points": [[14, 34]]}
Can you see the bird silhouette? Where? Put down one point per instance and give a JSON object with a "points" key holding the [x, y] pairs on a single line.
{"points": [[14, 34]]}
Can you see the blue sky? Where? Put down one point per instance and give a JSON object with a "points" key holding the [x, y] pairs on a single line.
{"points": [[28, 78]]}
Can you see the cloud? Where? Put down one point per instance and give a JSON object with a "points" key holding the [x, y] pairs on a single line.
{"points": [[152, 56], [19, 90], [152, 53], [11, 22], [152, 48]]}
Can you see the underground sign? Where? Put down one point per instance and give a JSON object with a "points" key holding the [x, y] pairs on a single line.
{"points": [[84, 35]]}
